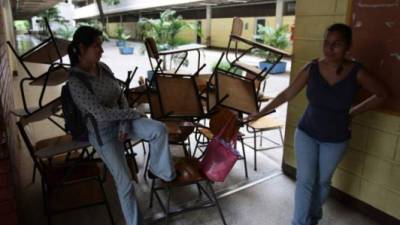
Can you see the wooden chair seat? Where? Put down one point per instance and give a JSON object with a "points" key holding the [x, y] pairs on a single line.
{"points": [[248, 68], [53, 141], [71, 172], [58, 145], [76, 195], [266, 123], [209, 135], [187, 172]]}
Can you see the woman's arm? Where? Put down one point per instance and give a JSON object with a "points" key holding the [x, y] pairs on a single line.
{"points": [[378, 90], [286, 95], [88, 102]]}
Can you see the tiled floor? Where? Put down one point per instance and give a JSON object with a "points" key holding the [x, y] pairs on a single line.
{"points": [[265, 198]]}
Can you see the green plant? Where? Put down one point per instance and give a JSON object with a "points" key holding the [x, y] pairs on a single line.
{"points": [[66, 31], [274, 37], [225, 65], [52, 15], [22, 26], [165, 29], [121, 35]]}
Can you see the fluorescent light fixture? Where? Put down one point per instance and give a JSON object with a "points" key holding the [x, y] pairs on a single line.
{"points": [[237, 1]]}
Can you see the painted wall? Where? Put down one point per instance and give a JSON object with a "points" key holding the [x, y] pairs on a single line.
{"points": [[130, 28], [221, 29], [370, 170]]}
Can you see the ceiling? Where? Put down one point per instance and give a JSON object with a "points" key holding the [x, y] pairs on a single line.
{"points": [[25, 9]]}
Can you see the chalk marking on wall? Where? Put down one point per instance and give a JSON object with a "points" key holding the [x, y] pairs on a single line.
{"points": [[395, 3], [389, 24], [358, 23], [381, 63], [396, 55]]}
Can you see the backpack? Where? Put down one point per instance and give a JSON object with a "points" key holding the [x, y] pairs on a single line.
{"points": [[75, 120]]}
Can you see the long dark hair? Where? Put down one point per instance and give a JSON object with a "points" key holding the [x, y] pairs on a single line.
{"points": [[83, 35]]}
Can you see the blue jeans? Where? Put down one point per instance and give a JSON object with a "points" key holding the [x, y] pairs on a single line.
{"points": [[112, 154], [316, 162]]}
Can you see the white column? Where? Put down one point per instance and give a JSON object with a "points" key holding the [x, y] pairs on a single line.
{"points": [[208, 22], [279, 13]]}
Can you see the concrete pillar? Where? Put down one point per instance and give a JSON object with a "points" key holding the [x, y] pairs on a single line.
{"points": [[208, 25], [279, 13]]}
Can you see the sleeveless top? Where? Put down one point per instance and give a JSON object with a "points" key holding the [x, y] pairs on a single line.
{"points": [[327, 115]]}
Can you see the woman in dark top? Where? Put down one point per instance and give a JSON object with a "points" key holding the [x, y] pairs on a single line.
{"points": [[324, 129], [115, 120]]}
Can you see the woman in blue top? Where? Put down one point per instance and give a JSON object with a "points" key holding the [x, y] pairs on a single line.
{"points": [[324, 129]]}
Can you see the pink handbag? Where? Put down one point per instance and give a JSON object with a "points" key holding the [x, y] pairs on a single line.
{"points": [[220, 156]]}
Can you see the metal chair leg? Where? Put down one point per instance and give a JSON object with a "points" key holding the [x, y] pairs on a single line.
{"points": [[146, 167], [152, 193], [106, 203], [216, 202], [34, 173], [167, 208], [255, 151], [244, 158]]}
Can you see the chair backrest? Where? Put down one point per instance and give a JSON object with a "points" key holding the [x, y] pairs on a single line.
{"points": [[39, 115], [240, 91], [179, 96], [219, 120], [237, 26], [154, 103]]}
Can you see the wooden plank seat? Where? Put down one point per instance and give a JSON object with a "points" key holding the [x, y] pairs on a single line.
{"points": [[266, 123], [247, 67], [58, 145], [69, 173], [47, 52], [85, 193]]}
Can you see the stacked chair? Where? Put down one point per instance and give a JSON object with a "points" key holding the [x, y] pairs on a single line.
{"points": [[67, 183], [179, 117], [258, 78]]}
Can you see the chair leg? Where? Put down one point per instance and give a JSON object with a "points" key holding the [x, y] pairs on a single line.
{"points": [[167, 208], [280, 133], [199, 190], [152, 193], [185, 151], [216, 202], [34, 173], [144, 148], [106, 203], [255, 151], [244, 158], [146, 167]]}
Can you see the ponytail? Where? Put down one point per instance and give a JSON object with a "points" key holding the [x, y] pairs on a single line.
{"points": [[73, 53], [84, 35]]}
